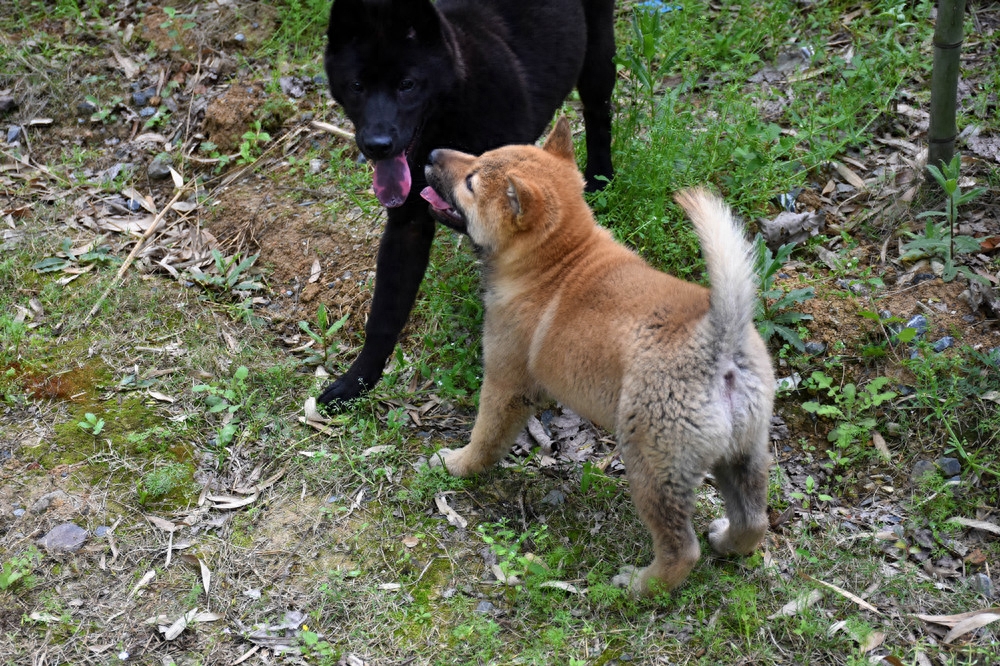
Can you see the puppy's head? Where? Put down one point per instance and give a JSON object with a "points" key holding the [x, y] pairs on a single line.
{"points": [[505, 195]]}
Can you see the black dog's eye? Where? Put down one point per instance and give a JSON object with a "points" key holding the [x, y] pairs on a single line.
{"points": [[468, 182], [356, 86], [406, 84]]}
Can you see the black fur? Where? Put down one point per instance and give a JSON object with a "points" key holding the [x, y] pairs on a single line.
{"points": [[465, 74]]}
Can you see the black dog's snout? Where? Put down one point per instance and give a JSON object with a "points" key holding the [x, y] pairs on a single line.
{"points": [[378, 146]]}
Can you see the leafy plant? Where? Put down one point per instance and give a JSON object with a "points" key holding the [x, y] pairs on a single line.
{"points": [[250, 147], [811, 491], [229, 274], [92, 423], [323, 336], [103, 113], [852, 408], [506, 544], [228, 400], [939, 239], [16, 572], [773, 314]]}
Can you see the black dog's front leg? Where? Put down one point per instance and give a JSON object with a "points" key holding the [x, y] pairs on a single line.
{"points": [[402, 260]]}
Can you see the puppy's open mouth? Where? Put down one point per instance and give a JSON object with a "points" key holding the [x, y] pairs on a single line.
{"points": [[442, 211]]}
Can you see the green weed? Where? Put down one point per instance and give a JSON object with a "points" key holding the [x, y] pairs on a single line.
{"points": [[774, 316], [16, 572], [324, 336], [853, 409]]}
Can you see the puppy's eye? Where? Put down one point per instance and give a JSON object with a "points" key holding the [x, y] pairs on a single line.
{"points": [[406, 85], [468, 182], [357, 87]]}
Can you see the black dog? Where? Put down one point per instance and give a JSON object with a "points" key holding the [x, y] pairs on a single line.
{"points": [[473, 75]]}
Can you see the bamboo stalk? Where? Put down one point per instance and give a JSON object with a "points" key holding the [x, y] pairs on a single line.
{"points": [[943, 131]]}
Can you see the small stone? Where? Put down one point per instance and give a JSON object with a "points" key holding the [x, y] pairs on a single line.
{"points": [[815, 348], [949, 466], [133, 205], [101, 530], [920, 323], [240, 37], [86, 107], [291, 86], [13, 133], [554, 498], [142, 97], [147, 111], [64, 538], [18, 513], [921, 469], [159, 167], [43, 503], [922, 277], [8, 103], [981, 584], [485, 607], [944, 343]]}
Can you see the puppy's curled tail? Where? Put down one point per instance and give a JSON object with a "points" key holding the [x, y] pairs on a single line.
{"points": [[730, 263]]}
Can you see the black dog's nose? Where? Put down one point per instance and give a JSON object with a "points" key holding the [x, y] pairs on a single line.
{"points": [[378, 146]]}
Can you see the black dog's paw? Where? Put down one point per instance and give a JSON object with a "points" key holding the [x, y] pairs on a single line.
{"points": [[342, 391]]}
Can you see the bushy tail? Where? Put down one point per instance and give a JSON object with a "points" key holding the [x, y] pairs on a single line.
{"points": [[730, 264]]}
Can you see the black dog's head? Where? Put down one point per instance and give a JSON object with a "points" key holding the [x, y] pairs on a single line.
{"points": [[389, 63]]}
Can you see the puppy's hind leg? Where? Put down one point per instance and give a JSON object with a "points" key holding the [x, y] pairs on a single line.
{"points": [[742, 481], [662, 488], [504, 408]]}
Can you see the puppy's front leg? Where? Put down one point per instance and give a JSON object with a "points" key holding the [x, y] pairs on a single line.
{"points": [[504, 408]]}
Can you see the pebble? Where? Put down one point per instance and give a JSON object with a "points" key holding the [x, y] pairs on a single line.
{"points": [[240, 37], [485, 607], [944, 343], [101, 530], [981, 584], [949, 466], [142, 97], [920, 323], [18, 513], [815, 348], [13, 133], [921, 468], [159, 167], [43, 503], [554, 498], [133, 205], [64, 538], [147, 111], [86, 107]]}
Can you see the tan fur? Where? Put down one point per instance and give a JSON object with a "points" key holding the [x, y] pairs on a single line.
{"points": [[681, 377]]}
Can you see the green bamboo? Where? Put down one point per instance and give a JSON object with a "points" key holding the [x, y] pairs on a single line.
{"points": [[944, 83]]}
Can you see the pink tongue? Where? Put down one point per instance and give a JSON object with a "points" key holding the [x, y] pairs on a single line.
{"points": [[434, 199], [392, 181]]}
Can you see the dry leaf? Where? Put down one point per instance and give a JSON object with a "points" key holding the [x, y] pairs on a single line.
{"points": [[225, 502], [449, 513], [872, 641], [851, 177], [561, 585], [315, 271], [162, 523], [983, 525], [177, 178], [841, 591], [143, 582], [162, 397], [801, 603], [389, 587], [410, 541], [879, 442]]}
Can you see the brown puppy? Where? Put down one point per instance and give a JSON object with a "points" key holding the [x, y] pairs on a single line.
{"points": [[677, 372]]}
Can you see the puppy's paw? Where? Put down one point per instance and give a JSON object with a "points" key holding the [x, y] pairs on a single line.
{"points": [[718, 536], [726, 541], [440, 458], [629, 578]]}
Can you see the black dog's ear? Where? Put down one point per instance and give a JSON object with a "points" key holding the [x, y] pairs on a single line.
{"points": [[344, 13], [559, 142]]}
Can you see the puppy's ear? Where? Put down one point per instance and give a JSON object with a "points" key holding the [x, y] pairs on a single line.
{"points": [[559, 142], [520, 196]]}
